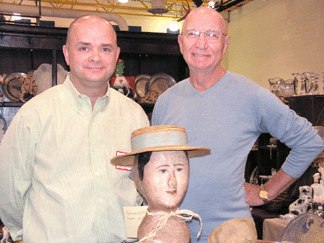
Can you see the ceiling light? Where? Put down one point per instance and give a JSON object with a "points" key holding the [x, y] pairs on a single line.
{"points": [[123, 1], [16, 16], [174, 26]]}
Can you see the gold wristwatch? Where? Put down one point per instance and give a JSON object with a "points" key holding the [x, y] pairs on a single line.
{"points": [[263, 194]]}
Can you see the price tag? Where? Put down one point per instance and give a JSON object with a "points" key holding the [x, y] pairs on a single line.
{"points": [[133, 218]]}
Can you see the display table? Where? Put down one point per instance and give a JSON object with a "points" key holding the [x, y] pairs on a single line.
{"points": [[273, 229], [259, 215]]}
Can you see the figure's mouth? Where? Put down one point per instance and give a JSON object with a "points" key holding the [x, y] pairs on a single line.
{"points": [[172, 192]]}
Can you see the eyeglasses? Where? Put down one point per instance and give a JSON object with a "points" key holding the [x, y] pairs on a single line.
{"points": [[211, 35]]}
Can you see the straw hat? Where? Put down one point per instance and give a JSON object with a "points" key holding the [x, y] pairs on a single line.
{"points": [[158, 138]]}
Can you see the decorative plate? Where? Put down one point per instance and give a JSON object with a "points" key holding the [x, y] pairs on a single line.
{"points": [[306, 227], [160, 82], [141, 86], [11, 86], [43, 76]]}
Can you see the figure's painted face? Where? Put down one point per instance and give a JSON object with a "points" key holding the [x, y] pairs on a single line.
{"points": [[165, 180]]}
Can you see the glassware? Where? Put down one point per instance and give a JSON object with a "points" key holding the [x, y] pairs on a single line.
{"points": [[295, 83], [274, 85], [302, 84], [305, 84], [286, 88], [313, 83], [316, 85]]}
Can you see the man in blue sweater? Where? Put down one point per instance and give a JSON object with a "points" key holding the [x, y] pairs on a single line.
{"points": [[227, 112]]}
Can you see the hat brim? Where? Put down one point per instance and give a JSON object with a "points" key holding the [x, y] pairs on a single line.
{"points": [[129, 158]]}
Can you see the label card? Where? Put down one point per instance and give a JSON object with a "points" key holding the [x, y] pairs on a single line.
{"points": [[133, 218]]}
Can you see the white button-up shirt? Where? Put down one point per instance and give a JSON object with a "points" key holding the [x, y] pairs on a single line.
{"points": [[57, 183]]}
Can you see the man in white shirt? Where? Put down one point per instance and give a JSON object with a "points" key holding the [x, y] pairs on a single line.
{"points": [[57, 183]]}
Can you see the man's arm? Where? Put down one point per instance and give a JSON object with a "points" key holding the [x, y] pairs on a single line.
{"points": [[15, 175], [275, 186], [294, 131]]}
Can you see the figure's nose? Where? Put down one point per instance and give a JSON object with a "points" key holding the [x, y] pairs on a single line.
{"points": [[173, 182]]}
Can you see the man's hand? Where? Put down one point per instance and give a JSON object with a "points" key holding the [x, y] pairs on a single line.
{"points": [[276, 185], [252, 194]]}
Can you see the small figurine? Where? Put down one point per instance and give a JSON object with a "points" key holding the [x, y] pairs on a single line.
{"points": [[29, 87], [6, 238], [301, 204], [124, 85], [161, 171], [317, 189], [2, 77]]}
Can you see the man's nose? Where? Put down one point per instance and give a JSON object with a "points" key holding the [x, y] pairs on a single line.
{"points": [[201, 41], [95, 55]]}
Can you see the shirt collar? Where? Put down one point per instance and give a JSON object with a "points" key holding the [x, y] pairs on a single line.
{"points": [[79, 99]]}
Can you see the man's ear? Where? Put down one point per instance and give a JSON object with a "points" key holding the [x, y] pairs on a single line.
{"points": [[180, 42], [117, 53], [226, 44], [66, 54]]}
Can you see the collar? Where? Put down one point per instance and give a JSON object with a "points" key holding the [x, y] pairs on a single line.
{"points": [[80, 100]]}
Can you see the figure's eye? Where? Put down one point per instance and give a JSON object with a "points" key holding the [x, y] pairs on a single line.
{"points": [[179, 169], [163, 171]]}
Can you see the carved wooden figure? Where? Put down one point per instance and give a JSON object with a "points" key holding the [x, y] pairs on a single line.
{"points": [[160, 160]]}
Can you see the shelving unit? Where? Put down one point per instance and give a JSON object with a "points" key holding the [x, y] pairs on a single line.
{"points": [[25, 48], [309, 106]]}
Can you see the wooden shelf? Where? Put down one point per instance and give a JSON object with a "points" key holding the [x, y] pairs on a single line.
{"points": [[11, 104], [36, 37], [25, 48]]}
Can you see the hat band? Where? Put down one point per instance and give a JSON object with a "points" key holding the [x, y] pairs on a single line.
{"points": [[166, 138]]}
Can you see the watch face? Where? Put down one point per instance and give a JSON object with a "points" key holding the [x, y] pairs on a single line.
{"points": [[263, 194]]}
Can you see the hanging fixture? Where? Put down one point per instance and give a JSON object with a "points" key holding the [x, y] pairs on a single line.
{"points": [[158, 7], [123, 1]]}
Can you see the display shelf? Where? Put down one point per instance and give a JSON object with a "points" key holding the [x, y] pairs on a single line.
{"points": [[11, 104], [24, 48], [309, 106], [269, 147]]}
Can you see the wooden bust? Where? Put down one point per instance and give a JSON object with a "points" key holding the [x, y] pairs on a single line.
{"points": [[161, 172], [163, 182]]}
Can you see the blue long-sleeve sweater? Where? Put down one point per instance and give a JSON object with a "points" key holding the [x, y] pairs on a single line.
{"points": [[228, 118]]}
